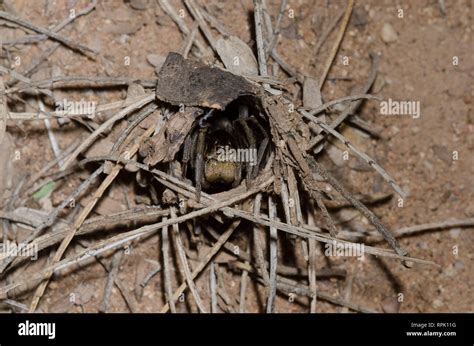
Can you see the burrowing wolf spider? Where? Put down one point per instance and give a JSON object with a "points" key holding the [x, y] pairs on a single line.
{"points": [[232, 130]]}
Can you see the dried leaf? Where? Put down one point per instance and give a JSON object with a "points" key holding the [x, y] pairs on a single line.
{"points": [[190, 83], [156, 60], [164, 145], [311, 93], [237, 56], [44, 190]]}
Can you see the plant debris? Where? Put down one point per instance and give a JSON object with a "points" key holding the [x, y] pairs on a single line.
{"points": [[190, 83]]}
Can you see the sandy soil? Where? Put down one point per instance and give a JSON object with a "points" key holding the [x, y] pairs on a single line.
{"points": [[430, 156]]}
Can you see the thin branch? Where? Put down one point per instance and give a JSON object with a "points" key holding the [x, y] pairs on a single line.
{"points": [[273, 257], [65, 41], [113, 271], [337, 43], [276, 31], [166, 268], [212, 286], [210, 254], [243, 285], [258, 17], [196, 13], [92, 137], [312, 263], [185, 264], [371, 162], [260, 257], [170, 11], [77, 224]]}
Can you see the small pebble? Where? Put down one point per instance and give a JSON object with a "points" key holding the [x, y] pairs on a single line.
{"points": [[388, 33], [390, 305], [139, 4], [360, 16], [156, 60], [437, 303]]}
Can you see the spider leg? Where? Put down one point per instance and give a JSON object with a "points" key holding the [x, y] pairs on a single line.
{"points": [[251, 145], [189, 145], [261, 148], [199, 162], [238, 176]]}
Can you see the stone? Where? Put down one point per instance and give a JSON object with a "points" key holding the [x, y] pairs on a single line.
{"points": [[388, 33]]}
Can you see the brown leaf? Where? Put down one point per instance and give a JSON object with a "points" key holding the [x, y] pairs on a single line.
{"points": [[164, 145], [190, 83], [237, 55]]}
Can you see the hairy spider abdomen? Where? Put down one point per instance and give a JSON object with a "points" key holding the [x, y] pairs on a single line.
{"points": [[218, 172]]}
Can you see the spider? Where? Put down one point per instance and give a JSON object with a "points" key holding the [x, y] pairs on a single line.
{"points": [[223, 147]]}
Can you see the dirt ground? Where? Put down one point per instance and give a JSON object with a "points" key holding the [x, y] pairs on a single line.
{"points": [[431, 156]]}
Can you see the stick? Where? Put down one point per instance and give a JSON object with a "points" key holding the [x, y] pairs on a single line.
{"points": [[260, 257], [215, 249], [291, 286], [185, 265], [89, 226], [166, 268], [145, 230], [170, 11], [52, 137], [285, 199], [228, 303], [212, 285], [273, 257], [113, 271], [347, 290], [258, 17], [243, 284], [139, 289], [48, 115], [312, 264], [196, 13], [427, 227], [327, 31], [337, 43], [64, 244], [65, 41], [215, 23], [351, 98], [276, 31], [401, 254], [131, 303], [3, 111], [80, 82], [189, 41], [351, 108], [84, 145], [295, 196], [371, 162], [327, 217], [69, 19]]}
